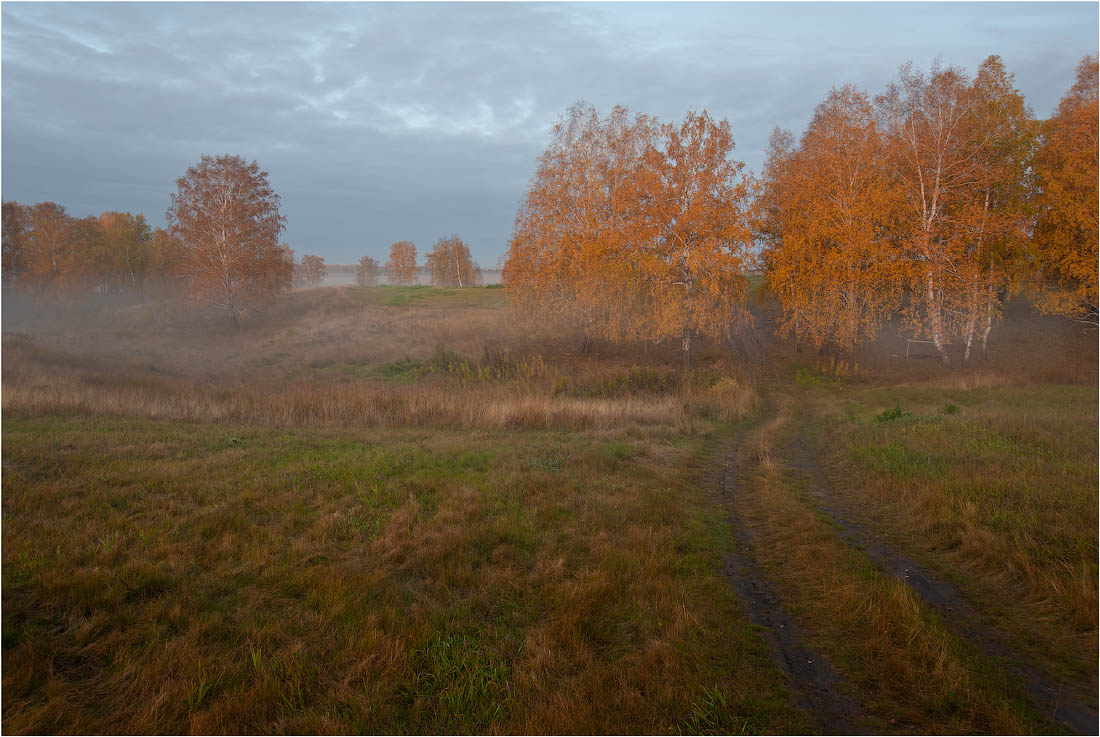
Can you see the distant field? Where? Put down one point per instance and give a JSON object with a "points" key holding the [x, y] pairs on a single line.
{"points": [[391, 509], [343, 275]]}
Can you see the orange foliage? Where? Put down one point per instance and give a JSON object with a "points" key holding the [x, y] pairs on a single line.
{"points": [[1067, 232], [828, 209], [125, 252], [401, 268], [633, 230], [993, 215], [941, 153], [226, 215], [449, 263], [52, 248]]}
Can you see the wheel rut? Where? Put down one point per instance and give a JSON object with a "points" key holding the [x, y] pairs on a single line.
{"points": [[1061, 702], [817, 686]]}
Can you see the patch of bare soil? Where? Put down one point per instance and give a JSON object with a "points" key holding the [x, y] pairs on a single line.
{"points": [[817, 686], [1060, 701]]}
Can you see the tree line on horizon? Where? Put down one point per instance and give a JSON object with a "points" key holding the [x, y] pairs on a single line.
{"points": [[449, 264], [221, 247], [934, 200]]}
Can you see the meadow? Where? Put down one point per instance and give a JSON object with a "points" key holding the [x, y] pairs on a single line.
{"points": [[392, 509]]}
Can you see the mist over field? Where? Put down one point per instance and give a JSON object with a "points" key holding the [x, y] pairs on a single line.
{"points": [[374, 368]]}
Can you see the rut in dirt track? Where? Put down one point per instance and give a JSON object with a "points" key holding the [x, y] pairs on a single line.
{"points": [[816, 684], [1061, 702]]}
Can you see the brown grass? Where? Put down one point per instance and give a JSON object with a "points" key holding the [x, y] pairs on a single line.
{"points": [[39, 381], [327, 524], [218, 578]]}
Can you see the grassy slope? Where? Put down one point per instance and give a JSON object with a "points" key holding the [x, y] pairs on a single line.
{"points": [[322, 577], [546, 566]]}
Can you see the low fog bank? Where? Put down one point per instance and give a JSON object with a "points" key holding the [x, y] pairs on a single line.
{"points": [[344, 276]]}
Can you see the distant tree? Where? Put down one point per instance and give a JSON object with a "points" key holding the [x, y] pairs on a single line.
{"points": [[165, 257], [313, 270], [125, 255], [1066, 234], [226, 215], [51, 247], [449, 263], [401, 268], [367, 272], [15, 232]]}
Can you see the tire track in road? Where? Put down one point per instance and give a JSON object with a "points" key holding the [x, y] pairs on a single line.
{"points": [[817, 686], [1059, 701]]}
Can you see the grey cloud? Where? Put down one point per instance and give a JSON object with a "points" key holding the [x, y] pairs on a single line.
{"points": [[387, 121]]}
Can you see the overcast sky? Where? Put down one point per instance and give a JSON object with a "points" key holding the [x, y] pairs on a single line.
{"points": [[381, 122]]}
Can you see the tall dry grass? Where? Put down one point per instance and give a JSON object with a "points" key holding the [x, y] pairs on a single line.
{"points": [[38, 380]]}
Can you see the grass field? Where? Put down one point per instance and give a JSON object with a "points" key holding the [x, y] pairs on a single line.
{"points": [[392, 510]]}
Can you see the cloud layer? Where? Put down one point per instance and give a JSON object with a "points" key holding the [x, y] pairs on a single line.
{"points": [[380, 122]]}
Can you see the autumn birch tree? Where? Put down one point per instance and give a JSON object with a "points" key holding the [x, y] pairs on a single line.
{"points": [[449, 263], [561, 263], [367, 271], [994, 212], [935, 152], [125, 250], [826, 214], [401, 267], [632, 230], [689, 238], [1066, 233], [226, 216]]}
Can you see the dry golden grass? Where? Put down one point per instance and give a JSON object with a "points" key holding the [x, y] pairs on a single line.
{"points": [[39, 381], [327, 524], [389, 509]]}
